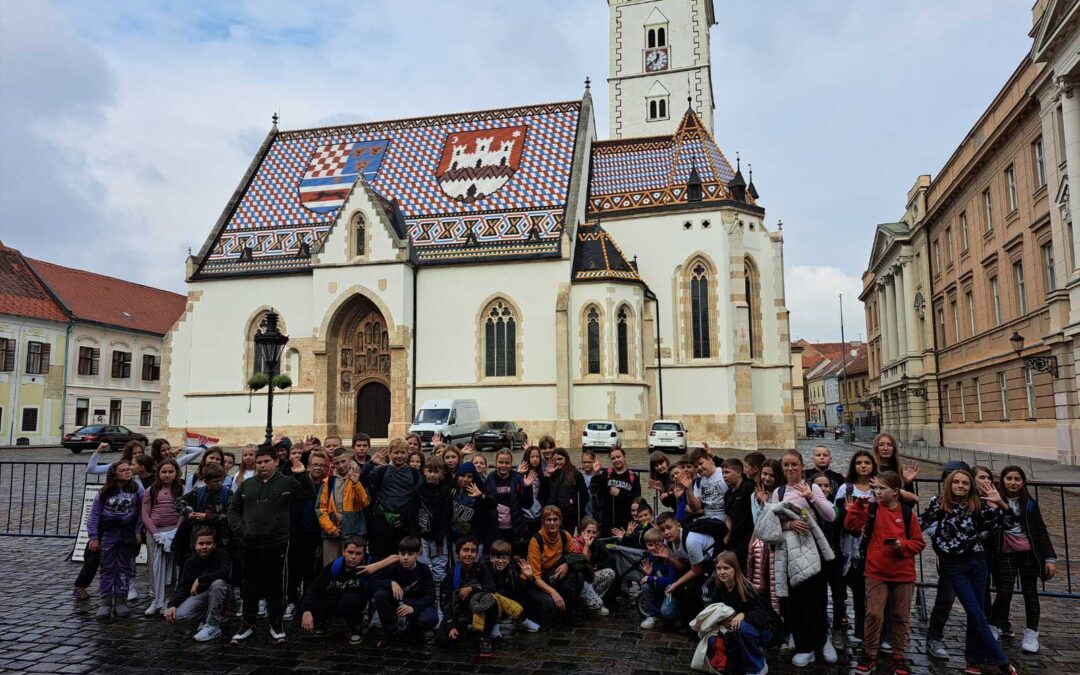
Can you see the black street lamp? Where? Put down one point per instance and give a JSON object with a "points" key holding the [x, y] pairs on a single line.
{"points": [[1039, 364], [270, 343]]}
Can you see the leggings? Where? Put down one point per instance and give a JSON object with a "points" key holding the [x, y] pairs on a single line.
{"points": [[1026, 566]]}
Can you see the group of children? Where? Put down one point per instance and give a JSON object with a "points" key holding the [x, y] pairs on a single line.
{"points": [[438, 543]]}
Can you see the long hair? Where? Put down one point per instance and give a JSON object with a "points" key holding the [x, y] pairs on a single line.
{"points": [[527, 457], [213, 450], [128, 450], [851, 475], [156, 452], [742, 585], [972, 502], [1024, 497], [895, 463], [112, 484], [569, 471], [777, 472], [176, 487]]}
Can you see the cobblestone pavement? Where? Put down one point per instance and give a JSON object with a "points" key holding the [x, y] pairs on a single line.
{"points": [[44, 631]]}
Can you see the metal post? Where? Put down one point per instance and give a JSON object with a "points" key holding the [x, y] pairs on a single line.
{"points": [[270, 407]]}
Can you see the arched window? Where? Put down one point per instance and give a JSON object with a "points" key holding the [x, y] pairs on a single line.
{"points": [[592, 341], [252, 359], [500, 341], [663, 108], [752, 291], [654, 110], [359, 234], [699, 311], [661, 37], [652, 37], [623, 342]]}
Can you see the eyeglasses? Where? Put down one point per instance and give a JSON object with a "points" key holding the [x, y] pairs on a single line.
{"points": [[552, 520]]}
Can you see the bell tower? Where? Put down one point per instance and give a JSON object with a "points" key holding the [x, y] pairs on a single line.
{"points": [[659, 56]]}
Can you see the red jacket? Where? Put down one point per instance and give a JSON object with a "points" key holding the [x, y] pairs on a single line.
{"points": [[886, 563]]}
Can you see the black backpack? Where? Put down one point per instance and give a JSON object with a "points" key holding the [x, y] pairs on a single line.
{"points": [[871, 518], [712, 527]]}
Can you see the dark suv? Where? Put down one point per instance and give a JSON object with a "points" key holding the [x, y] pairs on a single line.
{"points": [[95, 434], [500, 435], [815, 430]]}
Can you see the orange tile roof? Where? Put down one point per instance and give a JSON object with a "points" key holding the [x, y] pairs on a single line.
{"points": [[22, 293], [113, 302]]}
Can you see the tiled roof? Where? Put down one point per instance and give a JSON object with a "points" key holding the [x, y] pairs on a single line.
{"points": [[598, 258], [113, 302], [481, 185], [636, 173], [855, 357], [22, 293]]}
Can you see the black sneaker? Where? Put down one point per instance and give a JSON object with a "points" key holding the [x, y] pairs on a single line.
{"points": [[867, 664], [485, 648], [356, 636], [244, 633], [277, 632]]}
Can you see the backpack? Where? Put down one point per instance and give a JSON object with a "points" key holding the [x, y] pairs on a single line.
{"points": [[868, 530], [712, 527], [200, 498], [563, 536]]}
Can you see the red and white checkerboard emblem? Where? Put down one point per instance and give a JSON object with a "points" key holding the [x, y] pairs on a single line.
{"points": [[477, 164], [329, 160], [334, 168]]}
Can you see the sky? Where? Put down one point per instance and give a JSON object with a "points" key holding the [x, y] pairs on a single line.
{"points": [[125, 126]]}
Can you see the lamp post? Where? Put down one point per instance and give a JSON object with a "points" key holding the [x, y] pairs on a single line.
{"points": [[1039, 364], [270, 343]]}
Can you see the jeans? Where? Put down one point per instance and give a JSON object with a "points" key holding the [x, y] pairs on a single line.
{"points": [[656, 603], [206, 605], [943, 603], [386, 605], [752, 642], [806, 614], [265, 576], [348, 606], [968, 576]]}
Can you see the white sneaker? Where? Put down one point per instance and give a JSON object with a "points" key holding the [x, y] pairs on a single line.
{"points": [[496, 633], [996, 632], [603, 611], [649, 622], [803, 659], [207, 633], [829, 652], [885, 647], [530, 625], [277, 633], [133, 593], [763, 671], [263, 611], [936, 649], [153, 609], [245, 632], [376, 622], [290, 611], [1031, 641]]}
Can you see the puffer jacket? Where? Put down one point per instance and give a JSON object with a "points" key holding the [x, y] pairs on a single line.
{"points": [[760, 561], [354, 499], [798, 556]]}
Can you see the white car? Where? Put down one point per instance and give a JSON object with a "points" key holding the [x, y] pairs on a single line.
{"points": [[601, 435], [667, 434]]}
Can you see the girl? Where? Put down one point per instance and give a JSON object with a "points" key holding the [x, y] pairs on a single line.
{"points": [[415, 443], [1025, 550], [891, 540], [761, 559], [452, 460], [130, 450], [805, 609], [557, 583], [564, 487], [596, 566], [416, 460], [160, 520], [753, 622], [513, 494], [469, 506], [660, 479], [479, 462], [960, 517], [862, 470], [621, 488], [160, 450], [834, 569], [984, 478], [214, 455], [116, 532], [531, 465], [887, 458]]}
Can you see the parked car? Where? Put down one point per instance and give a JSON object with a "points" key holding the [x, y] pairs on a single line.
{"points": [[840, 430], [667, 434], [500, 435], [456, 419], [815, 430], [601, 435], [93, 435]]}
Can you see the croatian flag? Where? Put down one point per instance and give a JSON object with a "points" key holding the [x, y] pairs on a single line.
{"points": [[334, 168], [194, 440]]}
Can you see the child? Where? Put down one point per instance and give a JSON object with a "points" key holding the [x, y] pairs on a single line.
{"points": [[115, 531], [660, 572], [660, 479], [752, 464], [862, 471], [513, 494], [416, 460], [393, 485], [592, 482], [737, 506], [1024, 549], [468, 591], [761, 558], [513, 585], [633, 535], [342, 589], [822, 460], [469, 505], [690, 553], [705, 494], [361, 447], [596, 563], [404, 593], [305, 549], [891, 539], [433, 517], [531, 464], [204, 506], [452, 458], [341, 505], [160, 521], [479, 463], [203, 586], [194, 479], [834, 569], [754, 620], [622, 488]]}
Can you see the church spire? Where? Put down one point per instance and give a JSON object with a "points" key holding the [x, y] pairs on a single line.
{"points": [[750, 189], [737, 184]]}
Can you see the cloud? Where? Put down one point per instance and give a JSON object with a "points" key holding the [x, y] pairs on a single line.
{"points": [[813, 298]]}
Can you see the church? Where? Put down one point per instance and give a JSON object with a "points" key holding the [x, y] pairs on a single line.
{"points": [[508, 256]]}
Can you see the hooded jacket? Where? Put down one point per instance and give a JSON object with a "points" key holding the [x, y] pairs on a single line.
{"points": [[354, 499], [260, 513], [205, 571], [511, 493]]}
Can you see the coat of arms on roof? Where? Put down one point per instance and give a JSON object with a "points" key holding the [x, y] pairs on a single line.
{"points": [[476, 164], [333, 169]]}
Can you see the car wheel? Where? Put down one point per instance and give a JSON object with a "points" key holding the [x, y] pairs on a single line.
{"points": [[75, 450]]}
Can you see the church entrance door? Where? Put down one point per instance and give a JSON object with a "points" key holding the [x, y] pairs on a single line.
{"points": [[373, 410]]}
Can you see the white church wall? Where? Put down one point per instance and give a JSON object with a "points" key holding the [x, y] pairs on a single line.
{"points": [[388, 286], [699, 391], [232, 410]]}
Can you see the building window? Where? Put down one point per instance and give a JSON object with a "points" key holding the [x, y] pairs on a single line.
{"points": [[941, 326], [988, 210], [948, 245], [963, 232], [37, 358], [960, 395], [592, 341], [752, 291], [7, 354], [151, 368], [359, 233], [1059, 119], [699, 312], [1010, 185], [82, 412], [971, 311], [995, 296], [1003, 390], [116, 410], [624, 343], [500, 341], [89, 358], [146, 409], [1040, 162], [955, 320], [978, 399], [948, 404], [121, 365], [937, 257], [1021, 295], [658, 108], [1029, 392], [1048, 266], [29, 420]]}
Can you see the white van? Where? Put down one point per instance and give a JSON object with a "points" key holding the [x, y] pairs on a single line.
{"points": [[456, 419]]}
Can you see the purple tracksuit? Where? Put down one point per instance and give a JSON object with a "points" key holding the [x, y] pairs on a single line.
{"points": [[115, 521]]}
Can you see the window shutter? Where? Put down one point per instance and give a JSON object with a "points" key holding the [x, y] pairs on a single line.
{"points": [[9, 356], [46, 348], [94, 361]]}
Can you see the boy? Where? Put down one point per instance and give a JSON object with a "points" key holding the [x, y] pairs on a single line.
{"points": [[690, 552], [822, 460], [203, 587], [405, 590], [737, 505], [468, 591], [433, 517], [705, 494], [752, 464], [634, 535], [341, 505], [342, 589], [512, 586], [393, 485], [305, 561], [361, 446], [205, 505], [659, 573]]}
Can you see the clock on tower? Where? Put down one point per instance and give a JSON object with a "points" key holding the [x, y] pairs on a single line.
{"points": [[656, 59]]}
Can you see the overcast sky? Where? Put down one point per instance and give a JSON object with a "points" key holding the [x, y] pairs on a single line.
{"points": [[125, 126]]}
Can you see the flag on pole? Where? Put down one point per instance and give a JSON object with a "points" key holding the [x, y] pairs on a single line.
{"points": [[196, 440]]}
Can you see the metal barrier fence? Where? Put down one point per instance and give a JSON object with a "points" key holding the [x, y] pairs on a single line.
{"points": [[996, 461], [43, 499]]}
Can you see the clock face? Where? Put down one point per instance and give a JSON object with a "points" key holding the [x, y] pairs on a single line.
{"points": [[656, 59]]}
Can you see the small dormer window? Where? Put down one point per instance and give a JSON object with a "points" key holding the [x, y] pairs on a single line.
{"points": [[658, 108]]}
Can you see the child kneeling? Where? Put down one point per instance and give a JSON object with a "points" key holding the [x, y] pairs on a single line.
{"points": [[467, 591], [754, 622], [342, 589], [513, 584], [203, 587], [405, 592]]}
